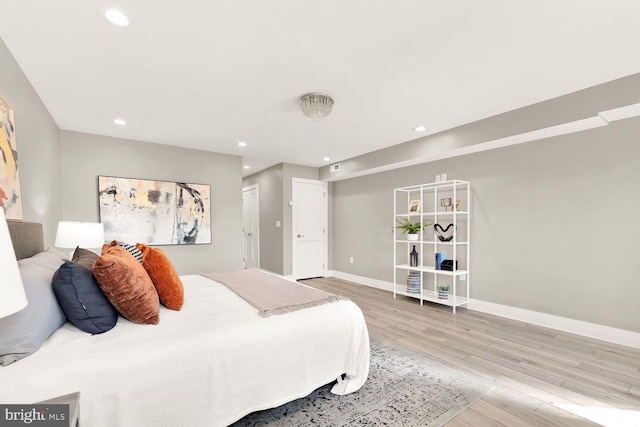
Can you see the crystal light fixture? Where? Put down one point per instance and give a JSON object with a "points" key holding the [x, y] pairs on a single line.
{"points": [[316, 105]]}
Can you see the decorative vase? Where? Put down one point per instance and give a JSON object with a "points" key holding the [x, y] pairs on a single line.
{"points": [[412, 236], [443, 294], [413, 257]]}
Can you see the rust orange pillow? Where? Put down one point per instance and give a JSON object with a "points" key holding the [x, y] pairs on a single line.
{"points": [[163, 275], [128, 287]]}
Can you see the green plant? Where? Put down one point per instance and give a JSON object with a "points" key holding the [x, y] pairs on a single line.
{"points": [[411, 227], [443, 289]]}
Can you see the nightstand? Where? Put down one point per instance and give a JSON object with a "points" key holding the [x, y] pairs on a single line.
{"points": [[73, 400]]}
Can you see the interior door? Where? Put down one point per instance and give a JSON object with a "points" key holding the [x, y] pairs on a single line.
{"points": [[250, 228], [309, 228]]}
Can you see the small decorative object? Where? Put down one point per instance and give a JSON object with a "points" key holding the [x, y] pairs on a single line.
{"points": [[411, 228], [458, 205], [439, 258], [414, 206], [413, 257], [447, 265], [10, 197], [443, 292], [440, 232], [445, 203], [413, 282]]}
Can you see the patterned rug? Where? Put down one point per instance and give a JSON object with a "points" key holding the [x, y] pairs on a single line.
{"points": [[403, 389]]}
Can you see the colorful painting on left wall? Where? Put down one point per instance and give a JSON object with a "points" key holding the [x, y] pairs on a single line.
{"points": [[10, 198]]}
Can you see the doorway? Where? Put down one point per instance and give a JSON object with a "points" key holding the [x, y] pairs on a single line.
{"points": [[251, 226], [309, 228]]}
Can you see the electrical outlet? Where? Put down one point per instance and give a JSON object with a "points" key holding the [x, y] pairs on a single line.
{"points": [[350, 260], [277, 224]]}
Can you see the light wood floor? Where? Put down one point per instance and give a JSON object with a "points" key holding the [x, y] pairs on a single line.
{"points": [[536, 371]]}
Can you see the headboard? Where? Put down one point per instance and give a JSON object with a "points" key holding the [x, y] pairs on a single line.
{"points": [[27, 238]]}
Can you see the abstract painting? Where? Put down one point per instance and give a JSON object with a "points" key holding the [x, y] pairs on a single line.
{"points": [[10, 198], [154, 212]]}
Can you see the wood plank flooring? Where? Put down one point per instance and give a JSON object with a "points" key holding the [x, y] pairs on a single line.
{"points": [[541, 377]]}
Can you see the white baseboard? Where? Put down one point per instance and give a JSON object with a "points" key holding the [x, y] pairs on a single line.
{"points": [[578, 327]]}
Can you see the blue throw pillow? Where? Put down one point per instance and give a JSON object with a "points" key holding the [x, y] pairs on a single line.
{"points": [[81, 299]]}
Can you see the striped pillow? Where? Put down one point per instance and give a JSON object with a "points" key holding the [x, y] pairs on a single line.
{"points": [[137, 253]]}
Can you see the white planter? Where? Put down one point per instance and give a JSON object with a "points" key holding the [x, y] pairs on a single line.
{"points": [[412, 237], [443, 294]]}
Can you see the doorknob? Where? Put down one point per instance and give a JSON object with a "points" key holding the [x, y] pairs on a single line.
{"points": [[300, 235], [249, 234]]}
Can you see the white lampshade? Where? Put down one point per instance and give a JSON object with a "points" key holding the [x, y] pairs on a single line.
{"points": [[12, 296], [72, 234]]}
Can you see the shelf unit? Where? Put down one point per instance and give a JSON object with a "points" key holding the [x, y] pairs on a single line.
{"points": [[430, 210]]}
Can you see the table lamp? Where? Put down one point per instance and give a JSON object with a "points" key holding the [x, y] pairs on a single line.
{"points": [[12, 296], [87, 235]]}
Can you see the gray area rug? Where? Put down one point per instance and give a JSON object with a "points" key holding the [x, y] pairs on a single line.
{"points": [[403, 389]]}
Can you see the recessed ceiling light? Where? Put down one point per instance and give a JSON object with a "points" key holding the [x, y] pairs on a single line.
{"points": [[420, 128], [119, 122], [116, 17], [245, 167], [242, 144], [326, 159]]}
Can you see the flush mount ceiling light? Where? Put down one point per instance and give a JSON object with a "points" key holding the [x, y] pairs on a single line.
{"points": [[245, 167], [420, 128], [115, 16], [326, 159], [242, 144], [120, 122], [316, 106]]}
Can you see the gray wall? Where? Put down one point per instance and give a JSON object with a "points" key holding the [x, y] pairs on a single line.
{"points": [[270, 210], [554, 223], [86, 156], [275, 189], [38, 144]]}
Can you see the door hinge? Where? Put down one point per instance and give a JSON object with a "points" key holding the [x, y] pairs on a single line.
{"points": [[323, 231]]}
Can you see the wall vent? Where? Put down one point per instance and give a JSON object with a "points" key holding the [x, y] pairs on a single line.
{"points": [[334, 167]]}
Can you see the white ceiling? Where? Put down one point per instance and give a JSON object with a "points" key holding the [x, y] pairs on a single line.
{"points": [[206, 74]]}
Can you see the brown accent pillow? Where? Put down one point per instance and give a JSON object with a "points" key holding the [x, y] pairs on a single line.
{"points": [[84, 257], [127, 286], [108, 245], [164, 277]]}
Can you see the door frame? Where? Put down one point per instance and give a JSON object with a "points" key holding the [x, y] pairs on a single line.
{"points": [[325, 225], [244, 249]]}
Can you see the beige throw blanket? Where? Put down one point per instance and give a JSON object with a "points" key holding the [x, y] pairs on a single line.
{"points": [[272, 294]]}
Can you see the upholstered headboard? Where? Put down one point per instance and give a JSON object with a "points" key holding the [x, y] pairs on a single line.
{"points": [[27, 238]]}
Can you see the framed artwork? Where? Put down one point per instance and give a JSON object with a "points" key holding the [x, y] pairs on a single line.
{"points": [[154, 212], [10, 198], [445, 203], [414, 206]]}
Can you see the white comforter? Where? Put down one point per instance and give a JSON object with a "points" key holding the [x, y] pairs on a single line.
{"points": [[209, 364]]}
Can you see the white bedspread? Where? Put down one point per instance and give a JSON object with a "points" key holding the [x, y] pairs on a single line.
{"points": [[209, 364]]}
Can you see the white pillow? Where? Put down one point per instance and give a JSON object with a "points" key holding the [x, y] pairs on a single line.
{"points": [[24, 332]]}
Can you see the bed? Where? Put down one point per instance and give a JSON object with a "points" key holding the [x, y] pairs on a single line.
{"points": [[209, 364]]}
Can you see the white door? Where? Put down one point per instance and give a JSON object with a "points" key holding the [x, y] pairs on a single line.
{"points": [[250, 229], [309, 228]]}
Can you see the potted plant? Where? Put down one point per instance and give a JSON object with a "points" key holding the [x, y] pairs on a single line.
{"points": [[411, 228], [443, 292]]}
